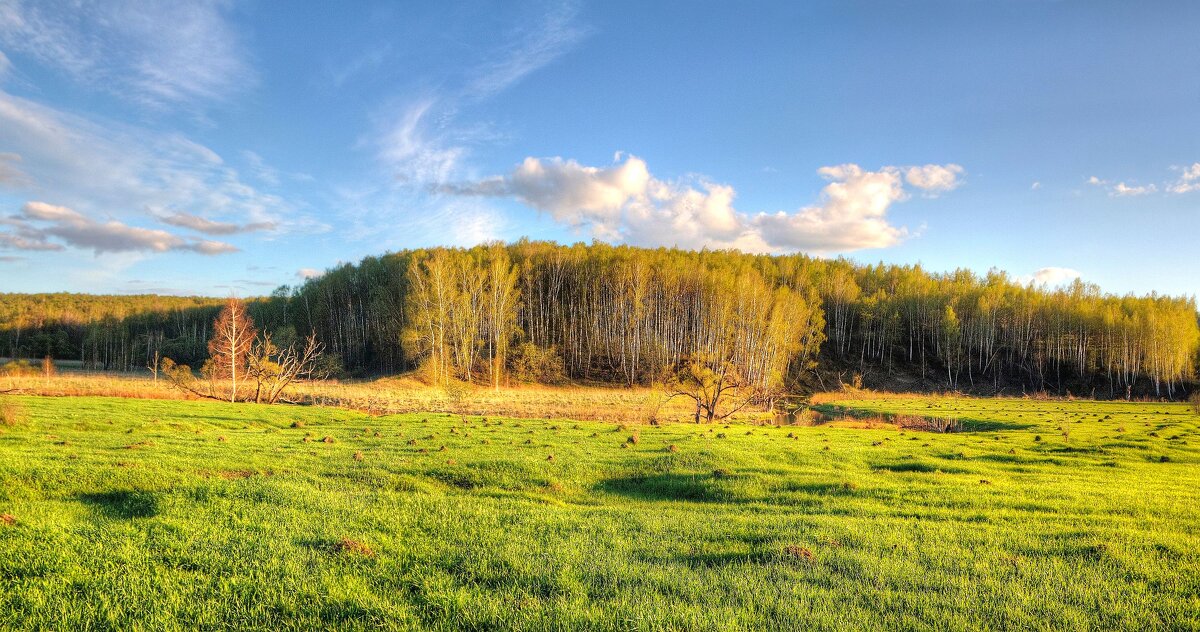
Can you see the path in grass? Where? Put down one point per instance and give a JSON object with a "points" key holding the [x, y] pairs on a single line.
{"points": [[160, 514]]}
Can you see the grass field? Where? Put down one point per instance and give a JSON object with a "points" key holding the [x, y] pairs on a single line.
{"points": [[160, 514]]}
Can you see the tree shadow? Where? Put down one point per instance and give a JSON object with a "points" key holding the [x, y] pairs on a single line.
{"points": [[919, 467], [125, 504], [731, 558], [917, 421], [700, 488]]}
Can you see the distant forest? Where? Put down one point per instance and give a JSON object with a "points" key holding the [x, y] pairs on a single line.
{"points": [[542, 312]]}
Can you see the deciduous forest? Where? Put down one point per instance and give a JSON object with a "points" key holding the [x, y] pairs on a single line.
{"points": [[541, 312]]}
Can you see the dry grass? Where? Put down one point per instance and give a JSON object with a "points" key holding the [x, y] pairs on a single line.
{"points": [[799, 553], [353, 547], [11, 413], [406, 395]]}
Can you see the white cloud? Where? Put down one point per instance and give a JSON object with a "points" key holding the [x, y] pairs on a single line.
{"points": [[208, 226], [418, 148], [156, 53], [528, 49], [308, 273], [1121, 189], [934, 178], [109, 169], [1051, 276], [40, 223], [1035, 186], [10, 173], [852, 214], [423, 143], [624, 202], [1189, 180]]}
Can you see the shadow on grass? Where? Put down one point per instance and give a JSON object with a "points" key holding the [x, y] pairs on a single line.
{"points": [[733, 558], [919, 467], [126, 505], [702, 488], [833, 413], [822, 489]]}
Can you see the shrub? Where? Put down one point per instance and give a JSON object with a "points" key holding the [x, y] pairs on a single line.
{"points": [[1194, 400], [530, 363], [18, 368]]}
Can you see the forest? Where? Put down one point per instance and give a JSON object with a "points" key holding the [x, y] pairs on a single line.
{"points": [[542, 312]]}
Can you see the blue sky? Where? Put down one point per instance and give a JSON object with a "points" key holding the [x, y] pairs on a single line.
{"points": [[232, 147]]}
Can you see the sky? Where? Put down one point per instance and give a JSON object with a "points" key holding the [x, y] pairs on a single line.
{"points": [[231, 147]]}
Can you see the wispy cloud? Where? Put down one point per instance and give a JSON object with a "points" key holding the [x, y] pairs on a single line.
{"points": [[39, 225], [208, 226], [425, 141], [158, 53], [529, 48], [10, 171], [369, 60], [422, 140], [109, 169], [623, 202]]}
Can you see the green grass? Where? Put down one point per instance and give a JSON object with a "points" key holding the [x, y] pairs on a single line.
{"points": [[136, 514]]}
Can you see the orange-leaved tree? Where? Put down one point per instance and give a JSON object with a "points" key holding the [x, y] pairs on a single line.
{"points": [[228, 350]]}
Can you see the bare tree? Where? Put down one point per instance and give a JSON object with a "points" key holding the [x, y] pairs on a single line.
{"points": [[233, 338], [273, 368], [717, 389]]}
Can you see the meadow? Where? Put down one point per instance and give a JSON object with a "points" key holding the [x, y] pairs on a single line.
{"points": [[165, 514]]}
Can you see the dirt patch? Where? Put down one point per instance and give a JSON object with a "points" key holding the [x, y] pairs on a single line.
{"points": [[8, 520], [348, 546], [799, 553]]}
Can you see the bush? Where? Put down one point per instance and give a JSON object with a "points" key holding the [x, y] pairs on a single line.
{"points": [[1194, 400], [533, 364], [18, 368]]}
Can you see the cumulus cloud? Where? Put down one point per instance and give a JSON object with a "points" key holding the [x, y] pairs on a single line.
{"points": [[624, 202], [1121, 189], [39, 224], [934, 178], [308, 273], [210, 227], [1189, 180], [157, 53], [1052, 276]]}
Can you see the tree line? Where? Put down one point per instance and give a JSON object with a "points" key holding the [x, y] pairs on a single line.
{"points": [[542, 312]]}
